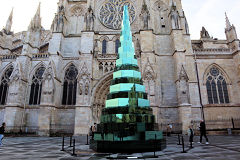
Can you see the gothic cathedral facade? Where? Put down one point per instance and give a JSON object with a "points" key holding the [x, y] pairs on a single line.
{"points": [[57, 80]]}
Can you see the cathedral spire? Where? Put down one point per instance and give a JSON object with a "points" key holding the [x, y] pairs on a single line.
{"points": [[9, 23], [36, 21], [231, 35], [228, 24], [144, 2]]}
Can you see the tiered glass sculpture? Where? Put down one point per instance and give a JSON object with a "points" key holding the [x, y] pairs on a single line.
{"points": [[127, 122]]}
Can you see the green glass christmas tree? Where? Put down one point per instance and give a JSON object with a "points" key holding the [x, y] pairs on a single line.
{"points": [[127, 123]]}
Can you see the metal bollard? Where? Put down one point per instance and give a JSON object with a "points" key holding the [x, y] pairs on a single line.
{"points": [[183, 146], [87, 140], [233, 124], [155, 145], [70, 141], [62, 143], [74, 154], [179, 141]]}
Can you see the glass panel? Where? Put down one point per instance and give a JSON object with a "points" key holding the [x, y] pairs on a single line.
{"points": [[220, 91], [126, 95], [4, 94], [70, 93], [74, 93], [36, 87], [214, 92], [214, 71], [64, 99], [4, 85], [209, 92], [104, 47], [31, 94], [36, 92], [39, 95], [70, 86], [225, 90], [1, 92], [117, 45]]}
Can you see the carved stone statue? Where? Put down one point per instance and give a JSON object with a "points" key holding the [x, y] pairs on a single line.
{"points": [[58, 22], [138, 48], [15, 75], [86, 88], [96, 49], [48, 86], [175, 18], [80, 88], [89, 19], [183, 89], [204, 33], [84, 81], [145, 15], [15, 90]]}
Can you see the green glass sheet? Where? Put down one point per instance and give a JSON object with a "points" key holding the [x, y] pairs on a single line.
{"points": [[124, 102], [127, 73], [126, 87]]}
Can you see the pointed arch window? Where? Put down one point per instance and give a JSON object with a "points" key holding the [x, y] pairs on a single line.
{"points": [[70, 86], [104, 47], [217, 89], [4, 85], [117, 45], [36, 87]]}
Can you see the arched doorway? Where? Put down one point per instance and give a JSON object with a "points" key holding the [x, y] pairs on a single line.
{"points": [[101, 89]]}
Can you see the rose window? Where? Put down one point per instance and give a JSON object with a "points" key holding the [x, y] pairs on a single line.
{"points": [[110, 14]]}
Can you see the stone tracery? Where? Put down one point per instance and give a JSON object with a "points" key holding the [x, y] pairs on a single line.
{"points": [[110, 14], [48, 84], [84, 81], [77, 11], [149, 79], [101, 91]]}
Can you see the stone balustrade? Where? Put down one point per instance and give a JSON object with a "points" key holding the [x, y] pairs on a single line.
{"points": [[211, 51]]}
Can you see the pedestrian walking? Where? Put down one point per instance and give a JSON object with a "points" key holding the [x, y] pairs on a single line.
{"points": [[2, 130], [169, 129], [203, 131], [190, 135], [93, 129]]}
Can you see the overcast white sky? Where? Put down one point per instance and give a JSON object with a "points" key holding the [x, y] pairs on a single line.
{"points": [[208, 13]]}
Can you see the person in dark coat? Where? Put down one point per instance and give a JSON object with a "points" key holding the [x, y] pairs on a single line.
{"points": [[2, 130], [190, 135], [203, 131]]}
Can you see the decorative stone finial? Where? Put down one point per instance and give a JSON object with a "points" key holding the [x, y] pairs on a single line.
{"points": [[35, 23], [8, 26], [228, 24], [204, 33]]}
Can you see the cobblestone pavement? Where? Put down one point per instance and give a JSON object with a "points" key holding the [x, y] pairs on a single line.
{"points": [[48, 148]]}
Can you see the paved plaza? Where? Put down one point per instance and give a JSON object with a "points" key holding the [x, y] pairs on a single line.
{"points": [[48, 148]]}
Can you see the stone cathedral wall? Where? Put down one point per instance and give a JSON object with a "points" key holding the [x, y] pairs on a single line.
{"points": [[166, 57]]}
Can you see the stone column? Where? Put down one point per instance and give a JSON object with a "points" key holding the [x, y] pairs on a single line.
{"points": [[17, 92], [45, 118], [181, 78], [83, 112], [185, 116], [87, 42], [14, 110], [13, 118], [55, 43], [148, 70], [83, 120]]}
